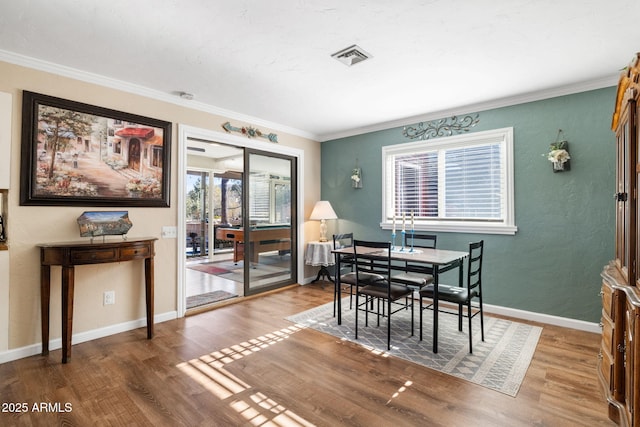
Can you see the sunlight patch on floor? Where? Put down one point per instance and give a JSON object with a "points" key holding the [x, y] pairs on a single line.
{"points": [[402, 389], [254, 406]]}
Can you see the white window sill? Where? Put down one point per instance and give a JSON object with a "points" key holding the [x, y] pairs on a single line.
{"points": [[459, 227]]}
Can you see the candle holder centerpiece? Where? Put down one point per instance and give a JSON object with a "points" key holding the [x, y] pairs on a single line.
{"points": [[403, 234]]}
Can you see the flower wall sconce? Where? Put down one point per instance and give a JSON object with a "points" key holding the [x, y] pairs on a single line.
{"points": [[559, 153], [356, 177]]}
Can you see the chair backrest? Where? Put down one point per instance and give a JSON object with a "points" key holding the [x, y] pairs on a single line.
{"points": [[420, 240], [366, 263], [426, 241], [344, 240], [474, 273]]}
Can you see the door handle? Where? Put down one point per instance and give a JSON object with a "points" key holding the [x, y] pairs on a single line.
{"points": [[620, 197]]}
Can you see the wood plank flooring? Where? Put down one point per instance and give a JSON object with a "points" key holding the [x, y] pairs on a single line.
{"points": [[244, 365]]}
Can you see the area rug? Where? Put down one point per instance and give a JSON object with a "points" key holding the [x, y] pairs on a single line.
{"points": [[499, 363], [209, 267], [270, 269], [208, 298]]}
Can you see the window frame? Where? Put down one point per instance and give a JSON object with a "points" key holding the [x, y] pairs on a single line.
{"points": [[506, 225]]}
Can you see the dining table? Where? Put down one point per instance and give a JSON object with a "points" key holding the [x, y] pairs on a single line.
{"points": [[439, 260]]}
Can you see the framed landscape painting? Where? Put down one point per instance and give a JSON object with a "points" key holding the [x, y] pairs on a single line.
{"points": [[76, 154]]}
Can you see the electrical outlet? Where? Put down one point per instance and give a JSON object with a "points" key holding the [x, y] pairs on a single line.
{"points": [[109, 298], [169, 232]]}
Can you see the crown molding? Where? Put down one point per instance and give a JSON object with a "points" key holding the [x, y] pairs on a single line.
{"points": [[585, 86], [100, 80]]}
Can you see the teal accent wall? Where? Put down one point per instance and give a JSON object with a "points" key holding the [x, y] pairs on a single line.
{"points": [[565, 220]]}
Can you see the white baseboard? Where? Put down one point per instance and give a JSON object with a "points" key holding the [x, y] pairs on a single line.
{"points": [[308, 280], [33, 349], [565, 322]]}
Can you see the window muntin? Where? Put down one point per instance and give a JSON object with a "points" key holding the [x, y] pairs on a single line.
{"points": [[461, 183]]}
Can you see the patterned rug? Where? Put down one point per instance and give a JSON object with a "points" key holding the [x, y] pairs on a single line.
{"points": [[272, 268], [499, 363], [208, 298], [208, 267]]}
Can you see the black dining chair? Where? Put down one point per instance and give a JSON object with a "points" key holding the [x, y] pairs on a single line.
{"points": [[416, 275], [347, 262], [469, 295], [373, 270]]}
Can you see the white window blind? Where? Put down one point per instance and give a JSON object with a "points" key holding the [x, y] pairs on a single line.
{"points": [[474, 182], [259, 202], [459, 183], [416, 186]]}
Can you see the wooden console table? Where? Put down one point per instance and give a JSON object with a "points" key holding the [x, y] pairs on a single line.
{"points": [[68, 255]]}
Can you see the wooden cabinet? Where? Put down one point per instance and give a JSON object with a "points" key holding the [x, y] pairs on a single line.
{"points": [[619, 358], [607, 349]]}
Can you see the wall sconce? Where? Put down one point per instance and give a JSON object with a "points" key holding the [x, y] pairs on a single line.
{"points": [[356, 177], [559, 153]]}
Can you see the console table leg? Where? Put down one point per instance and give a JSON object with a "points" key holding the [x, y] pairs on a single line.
{"points": [[67, 311], [45, 296], [148, 281]]}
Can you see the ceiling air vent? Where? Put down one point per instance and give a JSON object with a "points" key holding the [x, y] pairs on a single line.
{"points": [[351, 55]]}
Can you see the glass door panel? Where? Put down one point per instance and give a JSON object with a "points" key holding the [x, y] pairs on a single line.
{"points": [[197, 213], [227, 208], [270, 224], [213, 214]]}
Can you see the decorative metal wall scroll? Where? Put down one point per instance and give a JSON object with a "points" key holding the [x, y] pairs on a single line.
{"points": [[250, 132], [441, 127]]}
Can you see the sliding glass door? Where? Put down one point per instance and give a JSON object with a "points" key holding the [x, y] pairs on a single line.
{"points": [[270, 226], [240, 220]]}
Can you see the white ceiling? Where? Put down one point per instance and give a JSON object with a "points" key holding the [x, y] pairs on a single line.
{"points": [[269, 62]]}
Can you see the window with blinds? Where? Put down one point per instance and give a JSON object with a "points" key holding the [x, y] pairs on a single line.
{"points": [[270, 201], [259, 204], [460, 183]]}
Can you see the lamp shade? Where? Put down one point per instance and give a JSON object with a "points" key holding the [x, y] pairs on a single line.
{"points": [[323, 210]]}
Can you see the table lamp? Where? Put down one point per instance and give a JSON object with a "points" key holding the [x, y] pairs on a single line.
{"points": [[323, 211]]}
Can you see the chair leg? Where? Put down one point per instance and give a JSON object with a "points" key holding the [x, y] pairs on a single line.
{"points": [[412, 315], [389, 324], [460, 315], [366, 310], [481, 319], [350, 297], [470, 318], [335, 299], [357, 314], [420, 310]]}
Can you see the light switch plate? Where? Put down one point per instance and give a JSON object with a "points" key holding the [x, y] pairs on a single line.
{"points": [[169, 232]]}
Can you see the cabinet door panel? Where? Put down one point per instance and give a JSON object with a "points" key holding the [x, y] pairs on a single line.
{"points": [[622, 217], [630, 381]]}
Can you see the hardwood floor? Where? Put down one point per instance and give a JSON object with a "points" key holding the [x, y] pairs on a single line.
{"points": [[243, 364], [197, 282]]}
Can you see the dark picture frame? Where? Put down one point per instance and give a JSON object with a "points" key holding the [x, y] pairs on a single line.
{"points": [[76, 154]]}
